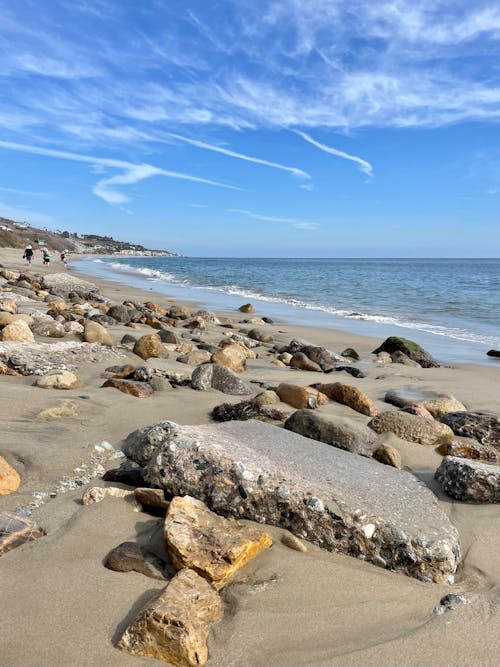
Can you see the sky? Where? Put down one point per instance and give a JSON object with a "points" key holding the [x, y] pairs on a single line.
{"points": [[300, 128]]}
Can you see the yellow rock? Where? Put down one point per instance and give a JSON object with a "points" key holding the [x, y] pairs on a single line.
{"points": [[301, 397], [231, 356], [211, 545], [9, 479], [66, 409], [175, 626]]}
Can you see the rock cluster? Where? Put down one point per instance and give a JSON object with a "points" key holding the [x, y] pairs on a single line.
{"points": [[260, 472]]}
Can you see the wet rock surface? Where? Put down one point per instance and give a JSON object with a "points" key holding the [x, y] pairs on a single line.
{"points": [[472, 481], [339, 501]]}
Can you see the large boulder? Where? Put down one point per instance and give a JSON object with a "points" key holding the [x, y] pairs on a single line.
{"points": [[408, 347], [174, 627], [410, 427], [222, 378], [211, 545], [351, 396], [472, 481], [93, 332], [260, 472], [340, 432], [438, 404], [482, 426]]}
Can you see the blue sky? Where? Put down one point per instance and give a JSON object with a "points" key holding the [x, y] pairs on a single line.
{"points": [[256, 128]]}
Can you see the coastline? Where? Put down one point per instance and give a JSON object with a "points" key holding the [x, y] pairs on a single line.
{"points": [[315, 608], [447, 345]]}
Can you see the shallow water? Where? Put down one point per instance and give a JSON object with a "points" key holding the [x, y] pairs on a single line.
{"points": [[451, 306]]}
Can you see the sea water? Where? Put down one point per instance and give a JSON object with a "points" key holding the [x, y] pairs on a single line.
{"points": [[449, 306]]}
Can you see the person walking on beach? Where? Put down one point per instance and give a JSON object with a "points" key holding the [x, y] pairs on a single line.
{"points": [[46, 257], [28, 254]]}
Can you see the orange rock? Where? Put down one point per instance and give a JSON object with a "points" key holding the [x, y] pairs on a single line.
{"points": [[156, 308], [174, 627], [9, 479], [351, 396], [211, 545], [388, 455], [301, 397], [150, 346], [231, 356]]}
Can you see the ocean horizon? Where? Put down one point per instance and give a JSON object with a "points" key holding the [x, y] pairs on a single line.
{"points": [[450, 305]]}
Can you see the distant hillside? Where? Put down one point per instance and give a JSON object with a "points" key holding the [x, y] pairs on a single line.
{"points": [[15, 234]]}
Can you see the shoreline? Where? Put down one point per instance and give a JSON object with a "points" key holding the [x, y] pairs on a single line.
{"points": [[449, 349], [313, 609]]}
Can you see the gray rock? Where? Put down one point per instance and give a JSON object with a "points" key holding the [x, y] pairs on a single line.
{"points": [[350, 353], [260, 335], [119, 313], [410, 348], [321, 356], [410, 427], [167, 336], [482, 426], [222, 378], [260, 472], [66, 282], [472, 481], [438, 404], [351, 370], [160, 383], [131, 557], [340, 432], [399, 357], [40, 358]]}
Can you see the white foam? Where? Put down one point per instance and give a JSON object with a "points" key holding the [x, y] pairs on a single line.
{"points": [[155, 275]]}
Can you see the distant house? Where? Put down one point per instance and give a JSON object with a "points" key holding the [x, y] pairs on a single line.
{"points": [[21, 225]]}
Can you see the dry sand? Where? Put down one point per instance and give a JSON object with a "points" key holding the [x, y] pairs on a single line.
{"points": [[60, 607]]}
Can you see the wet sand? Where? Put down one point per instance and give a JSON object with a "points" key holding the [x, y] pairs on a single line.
{"points": [[61, 607]]}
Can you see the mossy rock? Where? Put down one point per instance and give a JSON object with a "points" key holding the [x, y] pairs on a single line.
{"points": [[410, 348]]}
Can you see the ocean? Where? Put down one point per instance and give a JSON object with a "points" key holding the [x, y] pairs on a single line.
{"points": [[449, 306]]}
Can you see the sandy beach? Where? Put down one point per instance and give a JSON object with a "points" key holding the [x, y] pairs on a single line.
{"points": [[61, 606]]}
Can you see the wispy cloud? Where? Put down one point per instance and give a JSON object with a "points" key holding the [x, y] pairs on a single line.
{"points": [[25, 193], [297, 224], [240, 156], [364, 166], [130, 174]]}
